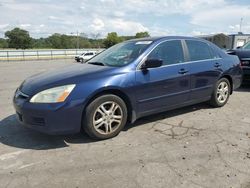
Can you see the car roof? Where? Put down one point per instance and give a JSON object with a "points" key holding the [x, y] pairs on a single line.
{"points": [[159, 39], [155, 39]]}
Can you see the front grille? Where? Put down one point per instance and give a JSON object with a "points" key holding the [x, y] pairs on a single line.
{"points": [[38, 121], [20, 94]]}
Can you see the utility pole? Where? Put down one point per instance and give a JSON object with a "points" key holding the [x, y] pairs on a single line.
{"points": [[77, 35], [241, 20]]}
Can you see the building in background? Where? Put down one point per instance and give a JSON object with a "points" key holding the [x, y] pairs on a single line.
{"points": [[227, 41], [220, 39], [238, 40]]}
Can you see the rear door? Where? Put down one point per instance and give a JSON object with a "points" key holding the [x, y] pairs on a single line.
{"points": [[205, 69], [166, 86]]}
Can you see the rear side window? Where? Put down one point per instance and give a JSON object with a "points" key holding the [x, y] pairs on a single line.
{"points": [[171, 52], [198, 50], [214, 53]]}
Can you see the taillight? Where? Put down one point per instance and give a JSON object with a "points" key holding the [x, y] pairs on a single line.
{"points": [[245, 63]]}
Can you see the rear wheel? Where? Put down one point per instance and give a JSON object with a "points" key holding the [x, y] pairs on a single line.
{"points": [[105, 117], [221, 93]]}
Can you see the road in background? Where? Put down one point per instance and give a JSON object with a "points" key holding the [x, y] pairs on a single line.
{"points": [[194, 147], [43, 54]]}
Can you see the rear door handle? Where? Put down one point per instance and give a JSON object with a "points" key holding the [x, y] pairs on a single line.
{"points": [[183, 71], [217, 65]]}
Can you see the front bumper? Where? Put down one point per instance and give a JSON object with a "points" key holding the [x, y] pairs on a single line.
{"points": [[77, 59], [58, 118]]}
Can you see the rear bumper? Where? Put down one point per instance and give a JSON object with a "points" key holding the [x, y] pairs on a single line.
{"points": [[246, 73], [64, 118], [237, 81]]}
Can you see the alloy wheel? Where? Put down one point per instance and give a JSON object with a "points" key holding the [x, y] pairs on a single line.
{"points": [[107, 117], [222, 92]]}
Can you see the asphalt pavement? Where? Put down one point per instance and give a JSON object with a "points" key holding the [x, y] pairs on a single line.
{"points": [[196, 146]]}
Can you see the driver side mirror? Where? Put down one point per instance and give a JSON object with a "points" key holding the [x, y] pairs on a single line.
{"points": [[151, 63]]}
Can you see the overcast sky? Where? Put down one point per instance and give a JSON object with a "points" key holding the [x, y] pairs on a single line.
{"points": [[159, 17]]}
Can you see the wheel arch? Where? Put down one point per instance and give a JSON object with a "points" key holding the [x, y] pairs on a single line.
{"points": [[229, 78], [119, 93]]}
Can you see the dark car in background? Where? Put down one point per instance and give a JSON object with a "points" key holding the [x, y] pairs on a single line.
{"points": [[125, 82], [244, 55]]}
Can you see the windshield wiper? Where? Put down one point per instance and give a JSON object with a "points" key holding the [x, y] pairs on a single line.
{"points": [[97, 63]]}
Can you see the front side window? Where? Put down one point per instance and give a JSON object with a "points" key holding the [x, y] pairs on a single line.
{"points": [[198, 50], [170, 52]]}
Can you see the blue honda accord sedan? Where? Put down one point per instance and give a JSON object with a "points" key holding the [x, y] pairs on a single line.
{"points": [[125, 82]]}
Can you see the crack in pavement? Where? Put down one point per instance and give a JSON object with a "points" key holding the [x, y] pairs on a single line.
{"points": [[173, 134], [224, 161]]}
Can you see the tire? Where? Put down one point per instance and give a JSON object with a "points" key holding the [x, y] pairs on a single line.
{"points": [[105, 117], [82, 60], [221, 93]]}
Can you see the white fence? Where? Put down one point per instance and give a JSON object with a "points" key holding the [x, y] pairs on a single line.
{"points": [[23, 55]]}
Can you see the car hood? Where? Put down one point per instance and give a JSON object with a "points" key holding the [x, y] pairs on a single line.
{"points": [[67, 75]]}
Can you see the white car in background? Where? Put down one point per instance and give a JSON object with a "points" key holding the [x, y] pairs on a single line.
{"points": [[85, 56]]}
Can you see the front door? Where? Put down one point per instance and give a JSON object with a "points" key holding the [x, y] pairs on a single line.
{"points": [[166, 86]]}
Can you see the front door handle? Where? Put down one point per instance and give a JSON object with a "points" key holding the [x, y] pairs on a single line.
{"points": [[217, 65], [183, 71]]}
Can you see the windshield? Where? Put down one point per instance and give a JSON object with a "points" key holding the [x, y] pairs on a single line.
{"points": [[121, 54], [246, 46]]}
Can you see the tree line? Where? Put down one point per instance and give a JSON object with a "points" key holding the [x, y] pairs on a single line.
{"points": [[20, 39]]}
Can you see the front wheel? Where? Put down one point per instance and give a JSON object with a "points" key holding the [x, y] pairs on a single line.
{"points": [[221, 93], [105, 117], [82, 60]]}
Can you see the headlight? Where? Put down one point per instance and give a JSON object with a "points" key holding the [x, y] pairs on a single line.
{"points": [[53, 95]]}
